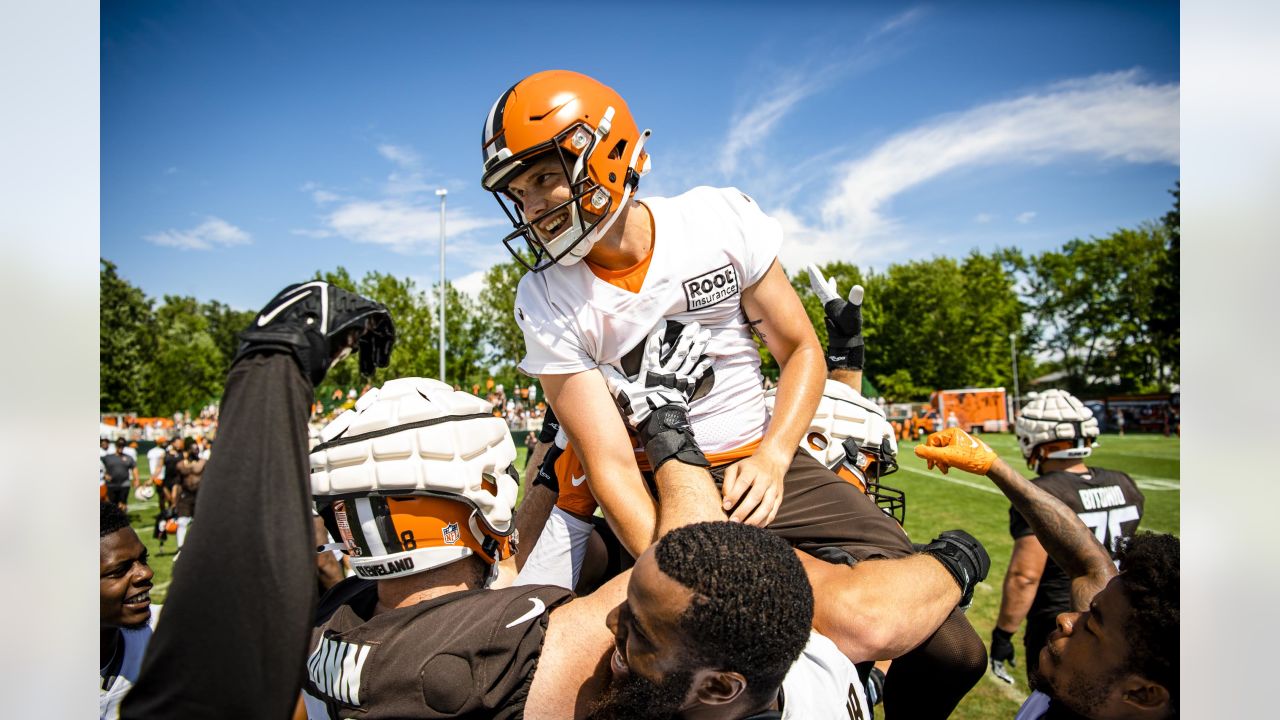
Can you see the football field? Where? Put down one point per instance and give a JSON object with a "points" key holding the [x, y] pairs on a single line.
{"points": [[935, 502]]}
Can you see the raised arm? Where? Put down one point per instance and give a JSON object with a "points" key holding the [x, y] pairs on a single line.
{"points": [[1071, 545]]}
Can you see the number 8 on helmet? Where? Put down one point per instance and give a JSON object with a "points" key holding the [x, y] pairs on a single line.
{"points": [[417, 476]]}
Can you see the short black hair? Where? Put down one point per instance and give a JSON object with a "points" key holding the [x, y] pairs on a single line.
{"points": [[752, 606], [110, 518], [1149, 577]]}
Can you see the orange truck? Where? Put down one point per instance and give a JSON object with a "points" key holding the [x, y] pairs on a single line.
{"points": [[975, 409]]}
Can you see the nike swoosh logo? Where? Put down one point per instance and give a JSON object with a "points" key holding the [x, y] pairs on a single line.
{"points": [[263, 320], [538, 609], [578, 480], [973, 442]]}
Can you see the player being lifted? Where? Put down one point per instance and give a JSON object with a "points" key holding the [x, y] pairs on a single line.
{"points": [[564, 157]]}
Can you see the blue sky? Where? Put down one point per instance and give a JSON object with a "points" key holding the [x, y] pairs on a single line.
{"points": [[246, 145]]}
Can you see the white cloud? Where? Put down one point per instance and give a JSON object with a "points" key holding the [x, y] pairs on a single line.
{"points": [[901, 20], [1111, 117], [311, 233], [402, 226], [213, 232], [404, 217], [470, 284], [747, 129], [399, 154], [1026, 217], [172, 169]]}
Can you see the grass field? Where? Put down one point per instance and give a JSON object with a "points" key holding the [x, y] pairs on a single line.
{"points": [[935, 502]]}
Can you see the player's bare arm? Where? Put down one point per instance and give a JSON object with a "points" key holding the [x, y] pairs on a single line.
{"points": [[1026, 565], [753, 487], [591, 420], [1066, 539]]}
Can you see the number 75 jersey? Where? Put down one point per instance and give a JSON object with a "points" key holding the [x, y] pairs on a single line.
{"points": [[1106, 501]]}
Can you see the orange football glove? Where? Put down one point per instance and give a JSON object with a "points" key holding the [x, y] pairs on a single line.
{"points": [[954, 447]]}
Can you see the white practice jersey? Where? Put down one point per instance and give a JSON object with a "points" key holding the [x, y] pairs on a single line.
{"points": [[823, 685], [710, 244], [134, 645]]}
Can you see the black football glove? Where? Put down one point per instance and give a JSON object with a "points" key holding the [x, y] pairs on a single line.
{"points": [[845, 349], [964, 557], [320, 324], [1002, 654]]}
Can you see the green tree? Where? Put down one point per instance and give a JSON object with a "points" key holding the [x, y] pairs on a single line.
{"points": [[224, 326], [1166, 310], [1094, 300], [466, 334], [124, 340], [188, 368]]}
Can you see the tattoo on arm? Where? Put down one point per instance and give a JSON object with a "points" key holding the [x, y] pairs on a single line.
{"points": [[756, 328], [1071, 545]]}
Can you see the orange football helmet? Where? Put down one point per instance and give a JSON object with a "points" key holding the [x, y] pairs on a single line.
{"points": [[600, 148]]}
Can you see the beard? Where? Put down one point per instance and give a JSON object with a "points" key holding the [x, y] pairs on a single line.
{"points": [[638, 698], [1079, 697]]}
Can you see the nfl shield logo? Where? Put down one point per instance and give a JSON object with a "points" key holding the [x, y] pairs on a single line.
{"points": [[450, 533]]}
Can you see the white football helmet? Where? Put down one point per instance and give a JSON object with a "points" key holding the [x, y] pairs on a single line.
{"points": [[416, 476], [851, 436], [145, 492], [1055, 425]]}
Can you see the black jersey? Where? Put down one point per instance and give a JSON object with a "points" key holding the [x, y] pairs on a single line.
{"points": [[468, 654], [1108, 502]]}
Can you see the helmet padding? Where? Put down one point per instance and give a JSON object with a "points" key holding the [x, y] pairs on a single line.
{"points": [[1053, 416]]}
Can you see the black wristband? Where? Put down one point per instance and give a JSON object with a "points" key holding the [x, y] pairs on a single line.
{"points": [[851, 357], [550, 426], [666, 434], [546, 475]]}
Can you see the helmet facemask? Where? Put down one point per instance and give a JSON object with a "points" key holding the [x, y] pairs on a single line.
{"points": [[582, 193], [869, 463]]}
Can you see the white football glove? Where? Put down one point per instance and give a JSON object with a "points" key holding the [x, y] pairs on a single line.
{"points": [[668, 376]]}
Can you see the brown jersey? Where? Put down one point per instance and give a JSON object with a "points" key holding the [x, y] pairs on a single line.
{"points": [[469, 654], [1107, 501]]}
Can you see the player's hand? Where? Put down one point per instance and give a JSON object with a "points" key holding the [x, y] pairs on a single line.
{"points": [[753, 488], [954, 447], [320, 324], [665, 378], [1002, 653], [845, 349]]}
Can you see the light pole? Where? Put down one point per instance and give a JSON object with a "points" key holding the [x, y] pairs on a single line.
{"points": [[442, 193], [1013, 348]]}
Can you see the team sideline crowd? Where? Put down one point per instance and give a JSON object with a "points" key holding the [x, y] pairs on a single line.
{"points": [[688, 543]]}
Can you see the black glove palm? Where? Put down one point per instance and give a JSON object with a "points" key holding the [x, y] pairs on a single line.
{"points": [[1002, 653], [320, 324], [845, 349]]}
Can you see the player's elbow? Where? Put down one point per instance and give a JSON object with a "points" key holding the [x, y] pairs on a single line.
{"points": [[1023, 580]]}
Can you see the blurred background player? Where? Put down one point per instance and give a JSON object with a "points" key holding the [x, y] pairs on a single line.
{"points": [[121, 473], [190, 468], [1056, 432], [155, 466], [126, 614], [1115, 651]]}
